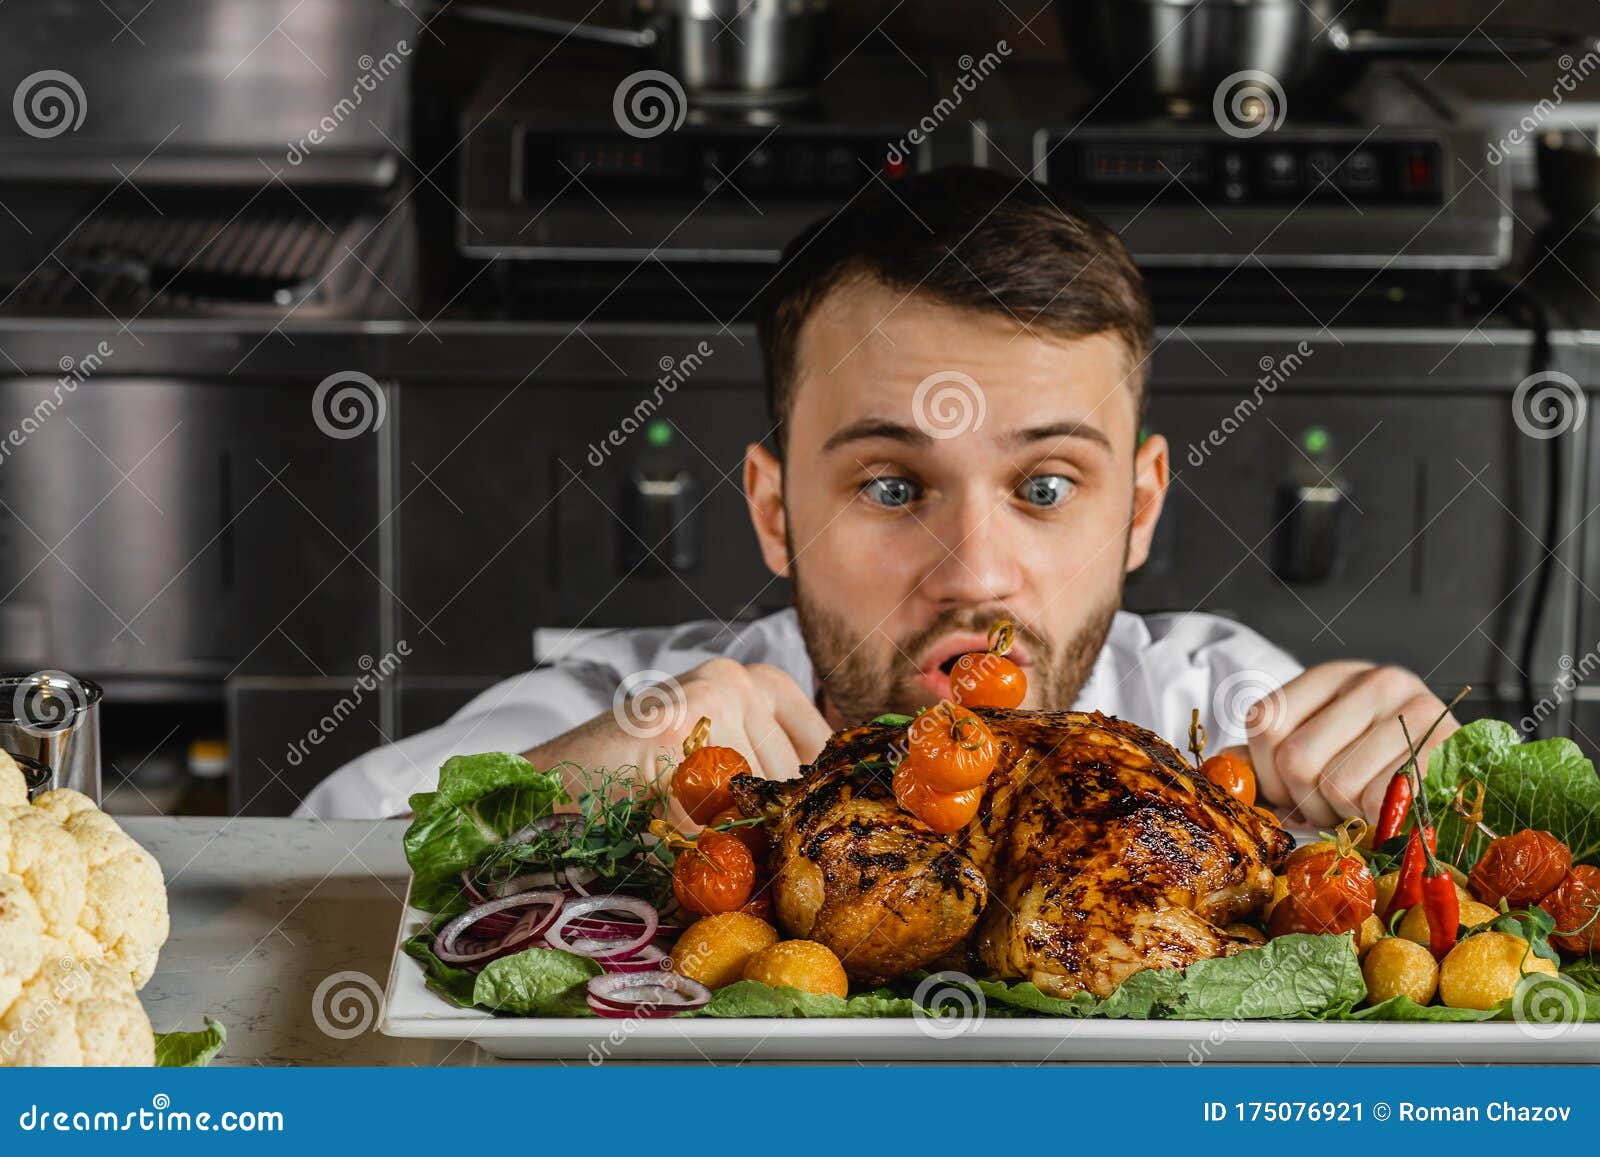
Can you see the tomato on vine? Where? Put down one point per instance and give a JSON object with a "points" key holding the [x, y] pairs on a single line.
{"points": [[988, 678], [701, 781], [950, 749], [714, 872]]}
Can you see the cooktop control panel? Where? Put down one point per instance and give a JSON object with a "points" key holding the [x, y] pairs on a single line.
{"points": [[1247, 172]]}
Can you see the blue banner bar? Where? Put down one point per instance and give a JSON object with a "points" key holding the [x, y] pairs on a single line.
{"points": [[813, 1110]]}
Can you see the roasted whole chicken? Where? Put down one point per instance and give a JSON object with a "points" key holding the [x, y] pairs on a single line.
{"points": [[1097, 852]]}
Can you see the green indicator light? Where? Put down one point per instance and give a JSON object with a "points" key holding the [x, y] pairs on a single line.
{"points": [[1315, 440], [658, 432]]}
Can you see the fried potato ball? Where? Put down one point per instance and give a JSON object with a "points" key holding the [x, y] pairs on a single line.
{"points": [[1485, 969], [716, 950], [1395, 966], [802, 964], [1414, 924], [1368, 935]]}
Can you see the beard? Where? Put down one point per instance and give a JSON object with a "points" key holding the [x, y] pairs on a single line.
{"points": [[859, 684]]}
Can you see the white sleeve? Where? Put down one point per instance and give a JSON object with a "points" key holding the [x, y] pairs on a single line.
{"points": [[513, 715]]}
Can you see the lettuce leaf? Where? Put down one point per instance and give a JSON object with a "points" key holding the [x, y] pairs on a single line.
{"points": [[1546, 784], [753, 998], [480, 801], [452, 983], [536, 982], [190, 1050], [1298, 977]]}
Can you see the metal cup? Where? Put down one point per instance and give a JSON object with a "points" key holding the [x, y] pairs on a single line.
{"points": [[53, 719]]}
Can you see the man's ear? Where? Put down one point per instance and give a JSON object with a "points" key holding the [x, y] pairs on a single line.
{"points": [[1151, 473], [763, 490]]}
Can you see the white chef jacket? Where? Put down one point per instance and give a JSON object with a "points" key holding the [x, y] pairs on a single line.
{"points": [[1153, 671]]}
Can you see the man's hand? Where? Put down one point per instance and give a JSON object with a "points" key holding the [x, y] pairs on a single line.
{"points": [[756, 709], [1327, 742]]}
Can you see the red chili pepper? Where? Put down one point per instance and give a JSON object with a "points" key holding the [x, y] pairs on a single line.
{"points": [[1396, 806], [1408, 888], [1443, 906]]}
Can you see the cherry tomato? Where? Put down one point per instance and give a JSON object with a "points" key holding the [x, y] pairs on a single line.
{"points": [[701, 781], [752, 836], [950, 749], [1336, 892], [716, 875], [1233, 773], [944, 812], [1574, 904], [1520, 867], [984, 679], [1290, 915]]}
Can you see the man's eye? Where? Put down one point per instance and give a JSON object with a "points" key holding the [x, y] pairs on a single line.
{"points": [[890, 491], [1046, 490]]}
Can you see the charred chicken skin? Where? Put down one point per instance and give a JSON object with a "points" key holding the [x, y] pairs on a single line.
{"points": [[1097, 852]]}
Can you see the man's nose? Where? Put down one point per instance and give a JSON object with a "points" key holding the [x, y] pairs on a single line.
{"points": [[977, 559]]}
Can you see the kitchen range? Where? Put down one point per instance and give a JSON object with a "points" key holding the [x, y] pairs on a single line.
{"points": [[361, 354]]}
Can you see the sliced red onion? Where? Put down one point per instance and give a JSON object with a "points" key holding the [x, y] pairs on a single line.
{"points": [[577, 877], [653, 993], [524, 882], [470, 888], [611, 949], [447, 945], [607, 1011], [644, 960]]}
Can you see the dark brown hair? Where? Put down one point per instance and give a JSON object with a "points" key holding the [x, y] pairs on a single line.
{"points": [[970, 238]]}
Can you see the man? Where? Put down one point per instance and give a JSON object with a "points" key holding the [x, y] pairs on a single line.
{"points": [[956, 369]]}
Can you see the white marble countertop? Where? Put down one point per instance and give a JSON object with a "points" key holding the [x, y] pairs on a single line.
{"points": [[263, 912]]}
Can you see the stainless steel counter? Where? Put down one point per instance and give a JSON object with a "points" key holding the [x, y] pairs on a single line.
{"points": [[264, 913]]}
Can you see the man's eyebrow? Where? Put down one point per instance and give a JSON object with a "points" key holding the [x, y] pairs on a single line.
{"points": [[1055, 431], [861, 430], [865, 428]]}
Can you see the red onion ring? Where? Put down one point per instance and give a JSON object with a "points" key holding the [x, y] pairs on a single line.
{"points": [[574, 909], [651, 994], [445, 943], [644, 960]]}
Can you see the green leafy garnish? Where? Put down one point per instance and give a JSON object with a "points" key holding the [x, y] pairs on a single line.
{"points": [[452, 983], [752, 998], [190, 1050], [538, 982], [1546, 784], [480, 801], [893, 720]]}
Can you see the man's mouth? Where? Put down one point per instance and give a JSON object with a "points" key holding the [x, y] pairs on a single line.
{"points": [[936, 662]]}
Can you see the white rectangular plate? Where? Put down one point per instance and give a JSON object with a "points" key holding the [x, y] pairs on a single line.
{"points": [[410, 1010]]}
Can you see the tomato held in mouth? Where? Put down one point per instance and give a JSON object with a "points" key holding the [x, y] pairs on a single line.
{"points": [[988, 678]]}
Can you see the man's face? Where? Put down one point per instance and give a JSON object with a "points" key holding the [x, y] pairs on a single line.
{"points": [[910, 522]]}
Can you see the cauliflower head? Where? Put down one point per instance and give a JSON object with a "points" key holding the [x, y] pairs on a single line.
{"points": [[83, 916]]}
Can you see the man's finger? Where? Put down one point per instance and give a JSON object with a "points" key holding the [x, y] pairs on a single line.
{"points": [[794, 710], [1276, 717]]}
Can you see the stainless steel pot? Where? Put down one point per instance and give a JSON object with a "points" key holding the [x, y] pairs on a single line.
{"points": [[708, 46], [1167, 49], [53, 720]]}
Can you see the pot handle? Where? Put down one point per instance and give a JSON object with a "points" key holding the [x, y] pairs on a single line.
{"points": [[1437, 43], [538, 25]]}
